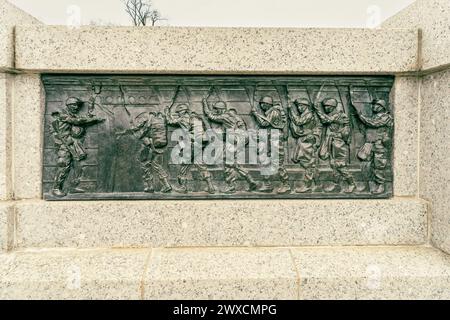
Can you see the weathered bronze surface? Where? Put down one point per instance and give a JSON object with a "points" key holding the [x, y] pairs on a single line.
{"points": [[217, 137]]}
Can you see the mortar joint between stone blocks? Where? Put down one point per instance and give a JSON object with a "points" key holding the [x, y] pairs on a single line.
{"points": [[147, 263], [297, 272]]}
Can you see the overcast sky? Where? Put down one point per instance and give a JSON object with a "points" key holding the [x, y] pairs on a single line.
{"points": [[228, 13]]}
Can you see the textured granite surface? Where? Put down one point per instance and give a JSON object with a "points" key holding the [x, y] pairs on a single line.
{"points": [[220, 223], [215, 50], [433, 17], [435, 160], [6, 225], [11, 15], [227, 273], [221, 274], [406, 135], [7, 45], [28, 113], [93, 274], [5, 136], [373, 273]]}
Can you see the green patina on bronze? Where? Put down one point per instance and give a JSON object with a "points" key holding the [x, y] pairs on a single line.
{"points": [[109, 136]]}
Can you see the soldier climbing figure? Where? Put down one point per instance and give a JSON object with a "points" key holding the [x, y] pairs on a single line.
{"points": [[151, 130], [68, 130], [274, 118], [189, 121], [336, 143], [230, 120], [375, 152], [306, 128]]}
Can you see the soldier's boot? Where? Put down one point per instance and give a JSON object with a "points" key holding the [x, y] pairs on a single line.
{"points": [[183, 185], [285, 188], [75, 184], [166, 187], [350, 185], [332, 186], [379, 189], [265, 187], [58, 187], [211, 188], [149, 188], [58, 193], [231, 188], [306, 187], [78, 190], [252, 185]]}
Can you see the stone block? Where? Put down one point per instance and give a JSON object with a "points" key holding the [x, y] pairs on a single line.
{"points": [[7, 45], [11, 15], [406, 135], [6, 85], [220, 223], [373, 273], [216, 50], [6, 225], [220, 274], [434, 151], [28, 114], [433, 17], [79, 274]]}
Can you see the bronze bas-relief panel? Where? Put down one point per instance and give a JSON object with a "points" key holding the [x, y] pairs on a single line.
{"points": [[118, 137]]}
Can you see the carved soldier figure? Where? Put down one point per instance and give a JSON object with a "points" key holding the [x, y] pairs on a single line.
{"points": [[230, 120], [273, 117], [376, 150], [151, 130], [68, 130], [186, 120], [306, 128], [336, 143]]}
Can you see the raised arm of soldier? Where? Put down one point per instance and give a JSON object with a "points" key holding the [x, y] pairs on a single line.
{"points": [[131, 130], [81, 120], [352, 104], [260, 119], [208, 112], [377, 121], [169, 116], [324, 118], [296, 118]]}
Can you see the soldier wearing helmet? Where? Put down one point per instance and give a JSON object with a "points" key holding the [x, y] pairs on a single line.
{"points": [[336, 143], [151, 130], [375, 152], [273, 117], [68, 130], [189, 121], [231, 121], [306, 128]]}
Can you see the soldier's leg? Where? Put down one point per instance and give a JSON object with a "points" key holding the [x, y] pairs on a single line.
{"points": [[77, 173], [230, 178], [243, 173], [380, 161], [284, 176], [331, 184], [308, 162], [161, 173], [148, 176], [64, 163], [339, 157], [182, 177], [206, 176], [342, 169]]}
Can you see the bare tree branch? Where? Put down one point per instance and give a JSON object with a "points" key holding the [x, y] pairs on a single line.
{"points": [[141, 12]]}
